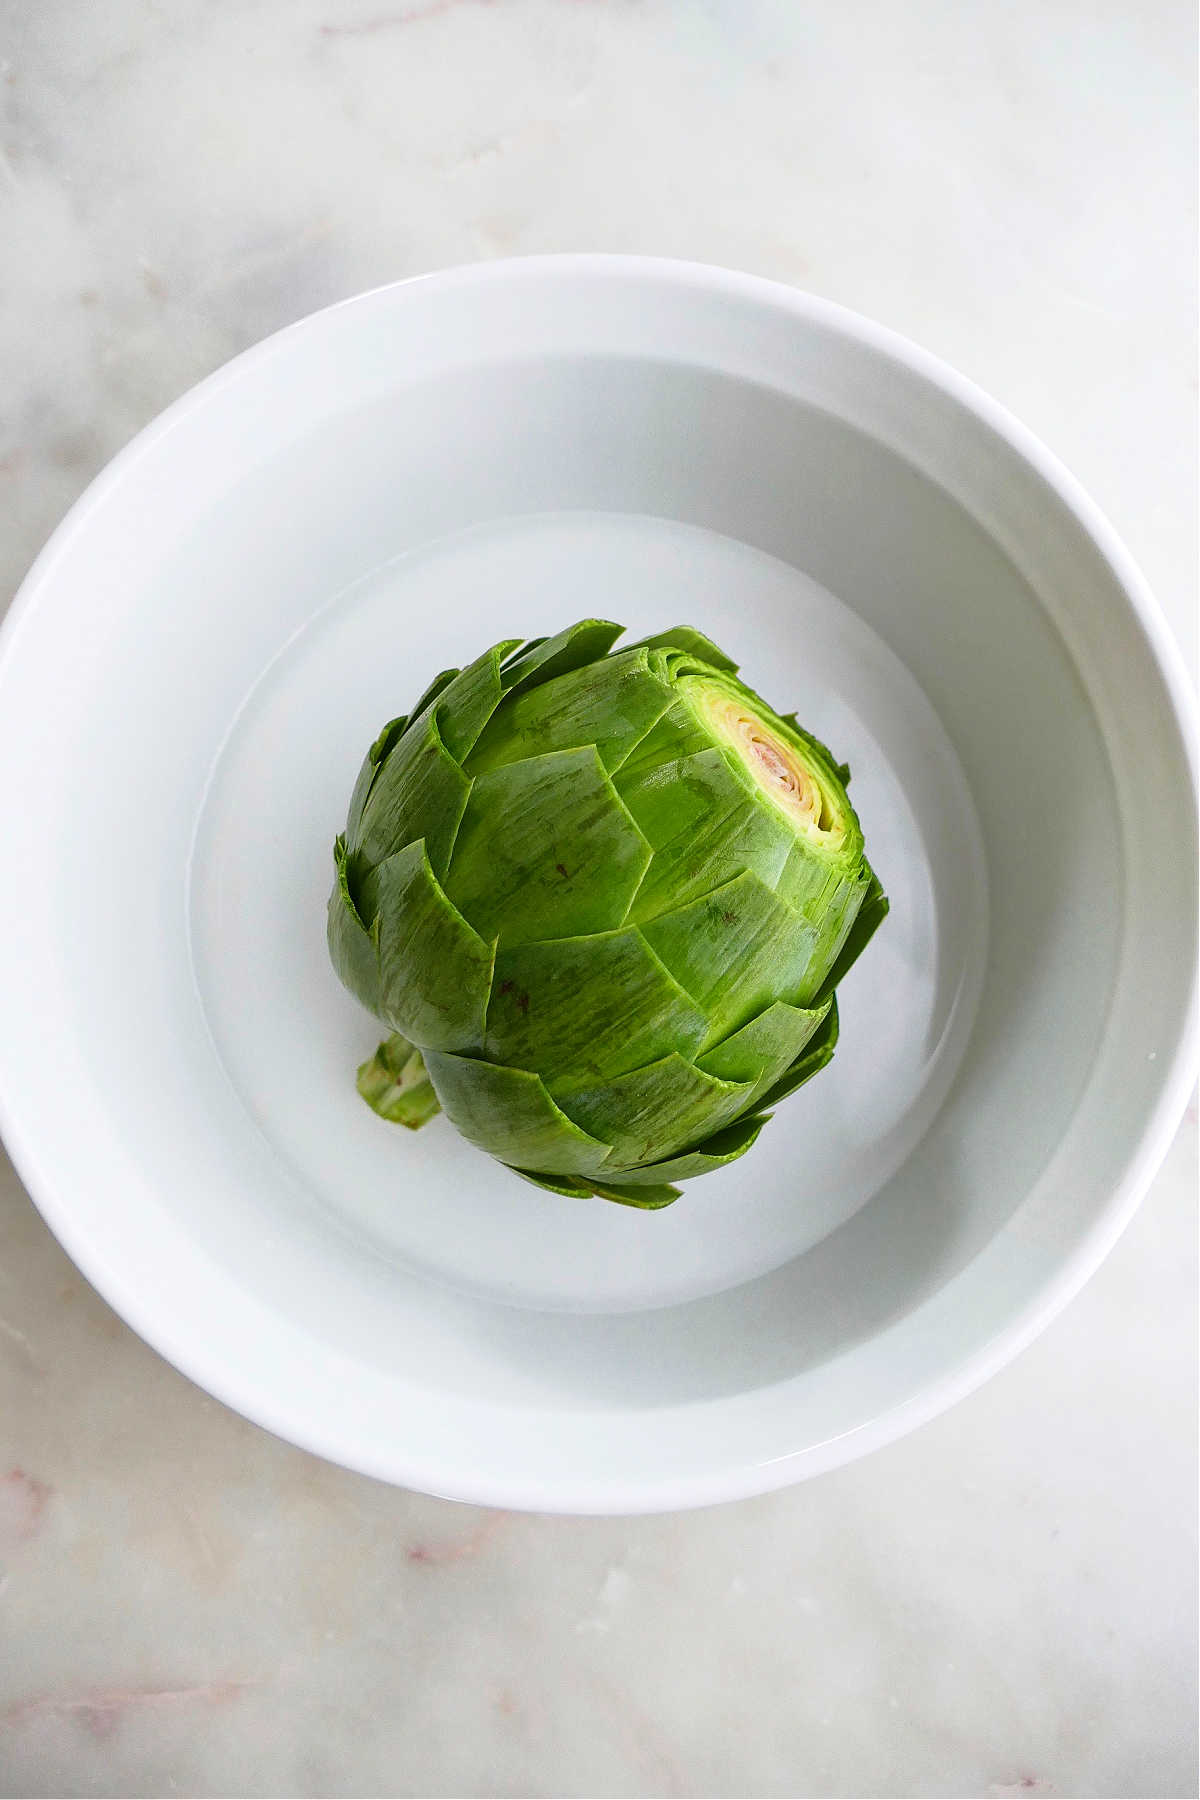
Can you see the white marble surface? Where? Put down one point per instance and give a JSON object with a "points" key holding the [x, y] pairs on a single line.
{"points": [[1005, 1602]]}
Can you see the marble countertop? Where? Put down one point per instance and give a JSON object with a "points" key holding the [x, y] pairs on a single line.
{"points": [[1004, 1603]]}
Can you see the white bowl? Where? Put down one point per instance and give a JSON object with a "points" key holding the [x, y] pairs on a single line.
{"points": [[189, 678]]}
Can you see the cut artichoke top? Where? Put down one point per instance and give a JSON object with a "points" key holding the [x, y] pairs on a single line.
{"points": [[818, 809], [607, 896]]}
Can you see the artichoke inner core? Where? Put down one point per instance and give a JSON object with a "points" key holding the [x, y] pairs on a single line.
{"points": [[775, 764]]}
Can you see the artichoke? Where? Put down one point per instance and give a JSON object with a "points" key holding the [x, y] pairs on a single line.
{"points": [[602, 899]]}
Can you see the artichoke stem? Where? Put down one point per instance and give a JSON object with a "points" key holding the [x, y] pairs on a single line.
{"points": [[394, 1084]]}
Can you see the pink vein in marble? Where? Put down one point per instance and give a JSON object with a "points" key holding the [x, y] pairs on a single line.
{"points": [[417, 15], [101, 1710], [460, 1549], [23, 1503], [389, 21]]}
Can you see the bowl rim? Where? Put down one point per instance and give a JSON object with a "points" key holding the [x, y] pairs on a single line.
{"points": [[1158, 1130]]}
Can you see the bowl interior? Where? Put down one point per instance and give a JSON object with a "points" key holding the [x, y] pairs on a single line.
{"points": [[277, 568], [428, 1201]]}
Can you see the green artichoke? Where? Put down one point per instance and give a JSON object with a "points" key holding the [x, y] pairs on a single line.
{"points": [[602, 898]]}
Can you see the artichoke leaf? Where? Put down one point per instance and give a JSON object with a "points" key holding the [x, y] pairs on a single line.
{"points": [[575, 1188], [510, 1113], [651, 1112], [647, 1199], [735, 951], [872, 911], [437, 686], [722, 1148], [466, 704], [525, 647], [762, 1050], [546, 658], [546, 849], [393, 730], [353, 947], [690, 642], [588, 1007], [609, 706], [419, 792], [435, 971], [706, 825], [678, 734], [812, 1059]]}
